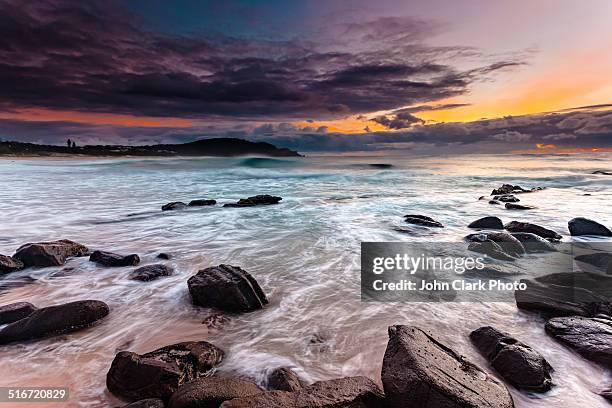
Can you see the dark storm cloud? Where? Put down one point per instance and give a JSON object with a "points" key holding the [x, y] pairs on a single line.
{"points": [[401, 120], [97, 57]]}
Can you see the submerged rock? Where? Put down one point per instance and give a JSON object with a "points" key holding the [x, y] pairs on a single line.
{"points": [[516, 362], [509, 244], [600, 260], [114, 260], [15, 311], [533, 242], [160, 373], [228, 288], [584, 226], [212, 392], [52, 253], [150, 272], [518, 226], [263, 199], [422, 220], [55, 320], [589, 337], [490, 248], [349, 392], [175, 205], [147, 403], [487, 223], [163, 255], [201, 203], [512, 206], [507, 198], [283, 379], [418, 371], [8, 264]]}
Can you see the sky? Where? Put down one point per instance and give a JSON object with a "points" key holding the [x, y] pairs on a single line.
{"points": [[340, 76]]}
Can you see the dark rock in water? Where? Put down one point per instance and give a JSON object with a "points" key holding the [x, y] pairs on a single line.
{"points": [[607, 394], [114, 260], [12, 283], [159, 373], [518, 363], [8, 264], [151, 272], [584, 226], [512, 206], [422, 220], [211, 392], [490, 248], [487, 223], [147, 403], [15, 311], [163, 255], [201, 203], [55, 320], [507, 198], [605, 173], [494, 202], [52, 253], [510, 189], [517, 226], [533, 242], [567, 294], [420, 372], [228, 288], [283, 379], [349, 392], [263, 199], [507, 242], [380, 165], [175, 205], [600, 260], [589, 337]]}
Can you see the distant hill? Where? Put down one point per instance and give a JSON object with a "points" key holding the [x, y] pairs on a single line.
{"points": [[204, 147]]}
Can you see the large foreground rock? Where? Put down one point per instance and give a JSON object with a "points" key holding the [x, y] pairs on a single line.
{"points": [[228, 288], [567, 294], [422, 220], [518, 226], [114, 260], [263, 199], [517, 363], [350, 392], [150, 272], [283, 379], [161, 372], [55, 320], [590, 337], [52, 253], [210, 392], [8, 264], [15, 311], [420, 372], [584, 226], [487, 223]]}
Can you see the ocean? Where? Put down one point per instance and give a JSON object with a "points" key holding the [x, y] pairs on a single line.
{"points": [[305, 253]]}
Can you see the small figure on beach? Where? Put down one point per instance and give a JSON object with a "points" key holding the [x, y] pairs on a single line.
{"points": [[73, 144], [69, 143]]}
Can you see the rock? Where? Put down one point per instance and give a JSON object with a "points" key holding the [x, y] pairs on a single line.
{"points": [[418, 371], [507, 242], [53, 253], [509, 189], [109, 259], [160, 373], [263, 199], [567, 294], [601, 260], [147, 403], [518, 226], [349, 392], [607, 394], [163, 255], [15, 311], [55, 320], [584, 226], [8, 264], [422, 220], [602, 172], [490, 248], [487, 223], [211, 392], [494, 202], [283, 379], [228, 288], [518, 363], [512, 206], [175, 205], [201, 203], [533, 242], [8, 284], [589, 337], [507, 198], [150, 272]]}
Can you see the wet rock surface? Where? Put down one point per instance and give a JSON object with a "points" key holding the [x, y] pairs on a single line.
{"points": [[420, 372], [516, 362], [263, 199], [54, 320], [518, 226], [211, 392], [533, 242], [506, 198], [9, 264], [163, 255], [584, 226], [422, 220], [175, 205], [201, 203], [228, 288], [150, 272], [512, 189], [487, 223], [589, 337], [513, 206], [53, 253], [508, 244], [160, 373], [283, 379], [15, 311], [349, 392], [490, 248], [114, 260]]}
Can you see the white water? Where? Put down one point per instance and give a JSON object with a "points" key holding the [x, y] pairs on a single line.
{"points": [[304, 252]]}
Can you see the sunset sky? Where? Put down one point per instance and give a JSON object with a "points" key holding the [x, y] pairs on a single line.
{"points": [[469, 75]]}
